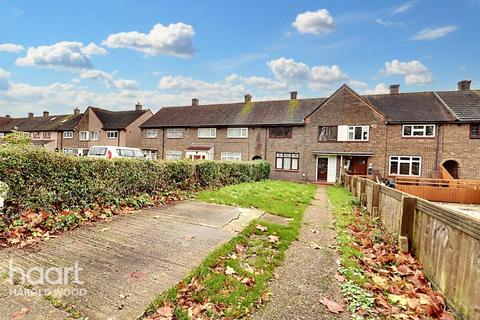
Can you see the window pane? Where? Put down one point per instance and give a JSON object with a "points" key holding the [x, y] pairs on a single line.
{"points": [[429, 130], [416, 168], [407, 130], [279, 163], [358, 133], [295, 164], [286, 163], [405, 168], [280, 132], [474, 130], [394, 167]]}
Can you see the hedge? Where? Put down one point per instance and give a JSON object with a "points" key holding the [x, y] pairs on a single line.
{"points": [[42, 180]]}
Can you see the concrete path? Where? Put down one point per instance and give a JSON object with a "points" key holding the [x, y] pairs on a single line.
{"points": [[125, 263], [308, 271]]}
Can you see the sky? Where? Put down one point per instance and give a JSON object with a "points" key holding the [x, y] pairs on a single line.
{"points": [[58, 55]]}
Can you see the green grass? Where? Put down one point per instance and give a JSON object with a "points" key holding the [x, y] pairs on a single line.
{"points": [[237, 299]]}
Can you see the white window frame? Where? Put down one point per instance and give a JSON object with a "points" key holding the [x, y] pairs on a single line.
{"points": [[109, 132], [280, 161], [418, 128], [67, 134], [231, 156], [174, 133], [242, 133], [94, 135], [212, 131], [151, 134], [410, 161], [173, 155], [86, 133], [47, 134], [150, 154], [365, 136], [68, 150]]}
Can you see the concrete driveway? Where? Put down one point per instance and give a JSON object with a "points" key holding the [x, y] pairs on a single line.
{"points": [[122, 265]]}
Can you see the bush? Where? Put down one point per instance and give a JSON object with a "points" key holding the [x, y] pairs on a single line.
{"points": [[42, 180]]}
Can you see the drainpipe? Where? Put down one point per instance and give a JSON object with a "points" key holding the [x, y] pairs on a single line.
{"points": [[386, 151], [437, 151], [266, 138], [163, 144]]}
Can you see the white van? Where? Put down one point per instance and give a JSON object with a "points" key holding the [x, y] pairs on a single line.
{"points": [[110, 152]]}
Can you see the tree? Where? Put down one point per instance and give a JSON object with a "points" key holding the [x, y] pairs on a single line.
{"points": [[17, 138]]}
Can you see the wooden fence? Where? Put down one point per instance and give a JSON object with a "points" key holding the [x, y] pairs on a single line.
{"points": [[445, 241], [442, 190]]}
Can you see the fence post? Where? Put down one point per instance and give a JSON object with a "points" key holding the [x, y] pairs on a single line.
{"points": [[375, 200], [407, 223], [354, 186], [363, 194]]}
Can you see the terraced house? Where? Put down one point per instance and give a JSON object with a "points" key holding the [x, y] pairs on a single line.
{"points": [[98, 126], [395, 134]]}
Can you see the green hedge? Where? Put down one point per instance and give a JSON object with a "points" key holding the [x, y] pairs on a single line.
{"points": [[42, 180]]}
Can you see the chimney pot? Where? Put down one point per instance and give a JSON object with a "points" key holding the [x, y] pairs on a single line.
{"points": [[464, 85], [30, 114], [293, 95], [194, 102], [138, 106], [76, 111], [7, 116], [248, 97], [394, 89], [45, 113]]}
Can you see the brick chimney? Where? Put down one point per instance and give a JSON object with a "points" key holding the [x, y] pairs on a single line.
{"points": [[194, 102], [248, 98], [394, 89], [45, 113], [7, 116], [293, 95], [138, 106], [464, 85], [76, 111], [30, 114]]}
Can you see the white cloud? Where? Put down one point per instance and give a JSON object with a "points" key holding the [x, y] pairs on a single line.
{"points": [[258, 82], [61, 55], [122, 84], [327, 74], [11, 47], [362, 87], [403, 7], [388, 23], [414, 71], [4, 83], [314, 22], [432, 34], [176, 40], [289, 69]]}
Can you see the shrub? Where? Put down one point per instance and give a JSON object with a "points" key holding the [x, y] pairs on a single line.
{"points": [[42, 180]]}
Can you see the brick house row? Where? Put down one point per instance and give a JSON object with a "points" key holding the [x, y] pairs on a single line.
{"points": [[76, 133], [395, 134]]}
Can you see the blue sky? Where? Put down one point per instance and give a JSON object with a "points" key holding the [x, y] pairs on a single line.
{"points": [[57, 55]]}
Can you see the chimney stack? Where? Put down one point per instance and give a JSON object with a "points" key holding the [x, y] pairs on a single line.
{"points": [[194, 102], [7, 116], [248, 98], [293, 95], [138, 106], [464, 85], [45, 113], [394, 88], [30, 114], [76, 111]]}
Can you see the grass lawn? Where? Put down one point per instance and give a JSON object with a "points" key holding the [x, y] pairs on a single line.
{"points": [[233, 280]]}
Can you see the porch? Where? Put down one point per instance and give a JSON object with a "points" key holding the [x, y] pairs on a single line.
{"points": [[331, 165]]}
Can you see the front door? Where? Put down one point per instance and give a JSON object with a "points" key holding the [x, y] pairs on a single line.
{"points": [[322, 169], [359, 165]]}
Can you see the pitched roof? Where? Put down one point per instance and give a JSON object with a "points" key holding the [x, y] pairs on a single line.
{"points": [[411, 107], [465, 105], [257, 113], [29, 124], [117, 120], [71, 123]]}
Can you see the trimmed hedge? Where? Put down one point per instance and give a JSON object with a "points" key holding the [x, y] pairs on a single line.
{"points": [[42, 180]]}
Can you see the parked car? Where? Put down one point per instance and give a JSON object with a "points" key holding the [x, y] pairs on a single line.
{"points": [[110, 152]]}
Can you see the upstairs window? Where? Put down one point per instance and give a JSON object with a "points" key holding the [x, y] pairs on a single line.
{"points": [[418, 131], [280, 132], [36, 135], [83, 135], [68, 134], [174, 133], [358, 133], [286, 161], [152, 133], [112, 134], [207, 132], [94, 135], [47, 134], [475, 131], [327, 133], [237, 132]]}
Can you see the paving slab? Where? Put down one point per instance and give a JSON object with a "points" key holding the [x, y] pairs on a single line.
{"points": [[124, 263]]}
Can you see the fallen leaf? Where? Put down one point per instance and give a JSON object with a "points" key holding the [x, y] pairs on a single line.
{"points": [[229, 271], [19, 314], [273, 239], [261, 228], [137, 275], [165, 312], [332, 306], [104, 229], [240, 248], [447, 316], [314, 245], [339, 278]]}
